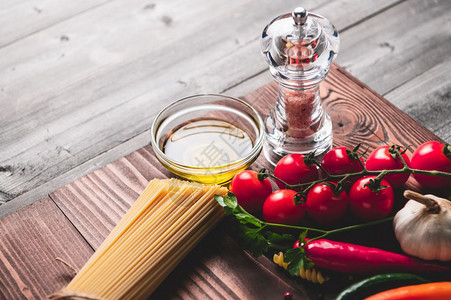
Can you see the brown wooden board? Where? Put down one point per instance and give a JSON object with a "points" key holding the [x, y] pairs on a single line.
{"points": [[31, 240], [218, 267]]}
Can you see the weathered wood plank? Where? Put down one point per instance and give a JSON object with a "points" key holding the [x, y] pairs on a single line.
{"points": [[19, 19], [427, 98], [60, 134], [398, 44], [50, 131], [30, 242]]}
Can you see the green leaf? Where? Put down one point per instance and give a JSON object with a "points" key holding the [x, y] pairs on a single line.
{"points": [[254, 240], [280, 237], [280, 241], [246, 218], [295, 259], [221, 201], [229, 202], [308, 264]]}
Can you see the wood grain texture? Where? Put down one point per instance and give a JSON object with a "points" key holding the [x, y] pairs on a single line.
{"points": [[30, 242], [427, 98], [104, 92], [79, 88], [37, 15], [96, 202], [398, 44]]}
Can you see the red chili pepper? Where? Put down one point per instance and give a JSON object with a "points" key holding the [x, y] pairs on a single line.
{"points": [[350, 258]]}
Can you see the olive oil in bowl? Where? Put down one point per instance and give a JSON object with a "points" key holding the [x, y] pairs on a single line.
{"points": [[207, 144]]}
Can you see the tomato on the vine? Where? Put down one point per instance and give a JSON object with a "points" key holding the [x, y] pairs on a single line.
{"points": [[432, 156], [293, 169], [342, 160], [325, 204], [370, 200], [280, 208], [250, 191], [386, 158]]}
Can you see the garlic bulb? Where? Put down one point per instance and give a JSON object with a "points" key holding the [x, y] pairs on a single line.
{"points": [[423, 226]]}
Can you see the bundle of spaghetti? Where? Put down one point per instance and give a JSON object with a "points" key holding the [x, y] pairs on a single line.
{"points": [[167, 220]]}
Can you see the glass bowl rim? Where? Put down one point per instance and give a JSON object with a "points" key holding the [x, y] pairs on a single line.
{"points": [[257, 147]]}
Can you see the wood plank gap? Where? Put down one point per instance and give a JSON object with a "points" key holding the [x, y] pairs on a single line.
{"points": [[413, 78], [71, 223], [84, 161], [68, 176], [53, 24], [243, 81], [370, 16]]}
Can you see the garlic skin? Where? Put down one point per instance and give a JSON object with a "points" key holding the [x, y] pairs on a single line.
{"points": [[422, 233]]}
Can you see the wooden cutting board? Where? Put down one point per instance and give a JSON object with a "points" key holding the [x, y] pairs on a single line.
{"points": [[73, 221]]}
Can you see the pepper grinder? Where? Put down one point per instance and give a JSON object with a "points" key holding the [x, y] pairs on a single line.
{"points": [[299, 48]]}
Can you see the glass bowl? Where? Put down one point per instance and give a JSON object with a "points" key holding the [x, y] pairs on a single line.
{"points": [[207, 138]]}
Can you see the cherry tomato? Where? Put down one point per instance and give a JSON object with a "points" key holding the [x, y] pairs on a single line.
{"points": [[250, 192], [382, 158], [367, 204], [293, 170], [280, 208], [324, 205], [341, 160], [432, 156]]}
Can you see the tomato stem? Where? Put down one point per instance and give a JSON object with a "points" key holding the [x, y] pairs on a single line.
{"points": [[322, 169], [325, 233], [351, 227], [287, 185], [365, 172], [361, 164]]}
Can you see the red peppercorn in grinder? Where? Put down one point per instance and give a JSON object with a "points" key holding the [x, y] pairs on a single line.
{"points": [[299, 48]]}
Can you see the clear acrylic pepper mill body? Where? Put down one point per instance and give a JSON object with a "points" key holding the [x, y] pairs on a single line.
{"points": [[299, 48]]}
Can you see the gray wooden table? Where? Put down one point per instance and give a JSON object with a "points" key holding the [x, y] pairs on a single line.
{"points": [[81, 81]]}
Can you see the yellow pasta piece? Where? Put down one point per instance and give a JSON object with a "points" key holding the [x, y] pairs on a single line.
{"points": [[167, 220], [312, 275]]}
